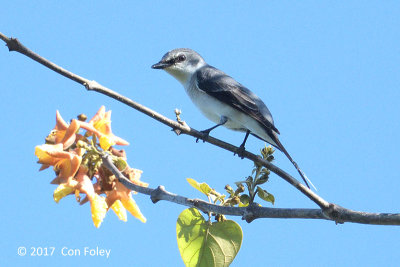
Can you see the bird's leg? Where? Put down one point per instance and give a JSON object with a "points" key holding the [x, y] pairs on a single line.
{"points": [[206, 132], [241, 149]]}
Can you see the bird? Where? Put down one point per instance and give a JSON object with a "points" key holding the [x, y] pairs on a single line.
{"points": [[223, 100]]}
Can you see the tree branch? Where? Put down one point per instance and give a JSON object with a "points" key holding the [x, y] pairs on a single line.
{"points": [[252, 212], [328, 210]]}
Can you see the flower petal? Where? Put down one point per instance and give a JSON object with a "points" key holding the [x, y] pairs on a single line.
{"points": [[70, 134], [133, 208], [98, 207], [60, 123], [119, 141], [71, 169], [61, 191], [106, 142], [45, 153], [99, 114], [119, 209]]}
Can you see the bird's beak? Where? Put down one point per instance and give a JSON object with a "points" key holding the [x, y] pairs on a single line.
{"points": [[161, 65]]}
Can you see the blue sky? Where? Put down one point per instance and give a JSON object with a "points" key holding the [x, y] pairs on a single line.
{"points": [[328, 71]]}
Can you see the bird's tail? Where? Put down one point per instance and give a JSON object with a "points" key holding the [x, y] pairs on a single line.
{"points": [[302, 174]]}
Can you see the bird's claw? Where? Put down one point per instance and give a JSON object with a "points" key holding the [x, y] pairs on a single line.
{"points": [[240, 152], [205, 136]]}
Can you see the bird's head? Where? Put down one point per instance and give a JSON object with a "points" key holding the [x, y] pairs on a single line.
{"points": [[181, 63]]}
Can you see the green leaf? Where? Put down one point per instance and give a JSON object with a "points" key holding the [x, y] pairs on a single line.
{"points": [[264, 195], [263, 179], [120, 163], [244, 200], [204, 244], [202, 187]]}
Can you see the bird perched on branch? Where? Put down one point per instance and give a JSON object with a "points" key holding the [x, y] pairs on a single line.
{"points": [[223, 100]]}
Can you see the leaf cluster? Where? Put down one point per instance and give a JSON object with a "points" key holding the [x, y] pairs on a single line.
{"points": [[259, 176]]}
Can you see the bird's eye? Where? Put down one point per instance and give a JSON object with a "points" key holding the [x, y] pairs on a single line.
{"points": [[181, 58]]}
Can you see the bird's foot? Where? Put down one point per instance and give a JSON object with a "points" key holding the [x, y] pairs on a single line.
{"points": [[240, 152], [205, 133]]}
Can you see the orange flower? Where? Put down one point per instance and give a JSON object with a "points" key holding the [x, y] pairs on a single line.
{"points": [[102, 123], [97, 203], [83, 184], [122, 195], [72, 177], [64, 133], [102, 120], [66, 163]]}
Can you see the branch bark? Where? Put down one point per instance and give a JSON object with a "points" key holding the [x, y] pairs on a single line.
{"points": [[252, 212], [327, 211]]}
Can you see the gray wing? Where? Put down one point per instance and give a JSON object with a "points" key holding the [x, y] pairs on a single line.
{"points": [[224, 88]]}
